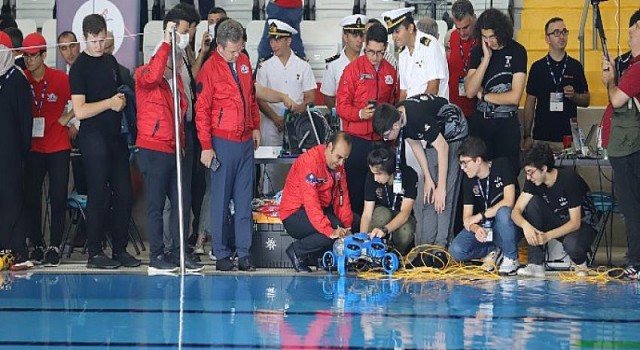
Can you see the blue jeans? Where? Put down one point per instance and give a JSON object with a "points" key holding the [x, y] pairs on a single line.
{"points": [[505, 236], [292, 17]]}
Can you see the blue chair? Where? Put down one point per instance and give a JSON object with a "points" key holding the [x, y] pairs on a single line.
{"points": [[76, 206]]}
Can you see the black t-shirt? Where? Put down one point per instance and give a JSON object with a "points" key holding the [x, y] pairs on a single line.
{"points": [[552, 126], [504, 63], [475, 190], [97, 78], [422, 122], [569, 191], [383, 194]]}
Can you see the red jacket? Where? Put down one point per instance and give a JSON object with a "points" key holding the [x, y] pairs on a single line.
{"points": [[220, 109], [360, 83], [311, 185], [156, 128]]}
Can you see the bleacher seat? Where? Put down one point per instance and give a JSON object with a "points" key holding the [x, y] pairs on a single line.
{"points": [[153, 34], [442, 30], [480, 5], [49, 33], [203, 26], [254, 34], [322, 39], [38, 10], [327, 9], [375, 8], [240, 10], [27, 26]]}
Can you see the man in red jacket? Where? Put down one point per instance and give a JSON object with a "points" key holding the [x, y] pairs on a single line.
{"points": [[157, 143], [315, 207], [366, 81], [228, 124]]}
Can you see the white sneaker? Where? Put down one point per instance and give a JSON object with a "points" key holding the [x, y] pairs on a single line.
{"points": [[532, 270], [492, 260], [581, 270], [199, 247], [211, 256], [508, 267]]}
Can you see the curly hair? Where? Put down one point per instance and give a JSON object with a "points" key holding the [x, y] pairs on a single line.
{"points": [[497, 21], [540, 155]]}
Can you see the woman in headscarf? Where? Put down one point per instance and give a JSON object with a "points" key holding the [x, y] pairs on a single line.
{"points": [[15, 133]]}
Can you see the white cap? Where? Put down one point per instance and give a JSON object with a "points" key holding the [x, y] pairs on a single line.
{"points": [[278, 28], [393, 18], [354, 22]]}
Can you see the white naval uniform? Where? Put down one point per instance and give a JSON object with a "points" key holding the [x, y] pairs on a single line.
{"points": [[332, 74], [293, 79], [425, 64]]}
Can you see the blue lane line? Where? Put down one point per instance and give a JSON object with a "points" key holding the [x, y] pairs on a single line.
{"points": [[314, 313], [176, 345]]}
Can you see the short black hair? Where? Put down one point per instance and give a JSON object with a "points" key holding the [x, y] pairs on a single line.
{"points": [[378, 33], [540, 155], [497, 21], [635, 17], [339, 136], [382, 158], [6, 21], [67, 33], [384, 116], [93, 24], [462, 8], [374, 20], [175, 15], [552, 20], [473, 147], [216, 10], [193, 16], [408, 20], [16, 36]]}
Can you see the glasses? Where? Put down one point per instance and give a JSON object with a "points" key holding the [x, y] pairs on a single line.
{"points": [[464, 163], [31, 56], [374, 53], [530, 172], [557, 33]]}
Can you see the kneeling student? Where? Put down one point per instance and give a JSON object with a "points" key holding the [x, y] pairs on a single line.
{"points": [[390, 189], [489, 192], [553, 205]]}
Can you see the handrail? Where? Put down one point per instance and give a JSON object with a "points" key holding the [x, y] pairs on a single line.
{"points": [[583, 23]]}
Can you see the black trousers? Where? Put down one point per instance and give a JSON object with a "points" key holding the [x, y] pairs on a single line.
{"points": [[106, 166], [198, 173], [356, 168], [308, 240], [57, 166], [501, 135], [627, 190], [12, 210], [542, 217]]}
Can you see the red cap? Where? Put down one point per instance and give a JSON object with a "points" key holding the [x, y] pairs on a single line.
{"points": [[34, 43], [5, 40]]}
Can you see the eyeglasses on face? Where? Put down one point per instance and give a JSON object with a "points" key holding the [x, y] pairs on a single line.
{"points": [[31, 56], [370, 52], [464, 163], [530, 172], [557, 33]]}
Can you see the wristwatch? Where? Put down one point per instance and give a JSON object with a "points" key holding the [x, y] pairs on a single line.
{"points": [[384, 229]]}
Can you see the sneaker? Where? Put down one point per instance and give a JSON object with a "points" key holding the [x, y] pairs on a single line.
{"points": [[37, 255], [20, 264], [101, 261], [160, 265], [190, 265], [492, 260], [52, 257], [532, 270], [508, 266], [211, 256], [225, 264], [198, 248], [581, 270], [126, 259]]}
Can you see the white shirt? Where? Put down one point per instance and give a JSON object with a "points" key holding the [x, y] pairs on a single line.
{"points": [[332, 75], [425, 64]]}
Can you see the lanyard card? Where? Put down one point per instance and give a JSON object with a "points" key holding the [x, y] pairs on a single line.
{"points": [[556, 103], [38, 127], [461, 91]]}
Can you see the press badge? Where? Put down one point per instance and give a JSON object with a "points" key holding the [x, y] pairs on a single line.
{"points": [[555, 102], [38, 127], [397, 183], [461, 91]]}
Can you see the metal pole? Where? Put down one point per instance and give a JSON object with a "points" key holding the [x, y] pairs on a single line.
{"points": [[583, 23], [176, 122]]}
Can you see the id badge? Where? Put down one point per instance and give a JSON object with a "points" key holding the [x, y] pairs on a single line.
{"points": [[397, 184], [461, 91], [38, 127], [556, 103]]}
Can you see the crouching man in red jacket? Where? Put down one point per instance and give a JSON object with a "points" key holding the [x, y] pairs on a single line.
{"points": [[157, 143], [315, 207]]}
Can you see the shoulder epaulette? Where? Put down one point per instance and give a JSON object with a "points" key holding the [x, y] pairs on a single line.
{"points": [[331, 59], [425, 41]]}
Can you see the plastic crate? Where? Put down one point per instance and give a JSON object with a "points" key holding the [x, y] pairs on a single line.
{"points": [[269, 244]]}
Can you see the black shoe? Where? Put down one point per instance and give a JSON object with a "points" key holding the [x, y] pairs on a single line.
{"points": [[440, 260], [245, 264], [161, 264], [37, 255], [126, 259], [298, 264], [224, 264], [101, 261], [52, 256], [190, 265]]}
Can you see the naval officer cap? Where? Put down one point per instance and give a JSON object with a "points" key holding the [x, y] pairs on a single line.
{"points": [[279, 29], [354, 23], [392, 19]]}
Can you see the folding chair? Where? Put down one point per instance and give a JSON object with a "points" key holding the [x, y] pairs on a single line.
{"points": [[605, 205]]}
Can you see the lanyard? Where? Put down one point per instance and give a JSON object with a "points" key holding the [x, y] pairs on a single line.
{"points": [[485, 193], [399, 149], [392, 205], [465, 63], [553, 76], [43, 94], [7, 76]]}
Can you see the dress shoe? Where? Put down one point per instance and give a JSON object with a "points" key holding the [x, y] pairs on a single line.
{"points": [[245, 264], [298, 264]]}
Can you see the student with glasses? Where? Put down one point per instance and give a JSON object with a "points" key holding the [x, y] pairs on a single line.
{"points": [[556, 87], [366, 81]]}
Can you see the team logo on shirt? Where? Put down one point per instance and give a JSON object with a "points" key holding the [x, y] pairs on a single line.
{"points": [[51, 97], [498, 182], [388, 79], [379, 192], [507, 63], [563, 201], [476, 190], [366, 76], [244, 69], [313, 180]]}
